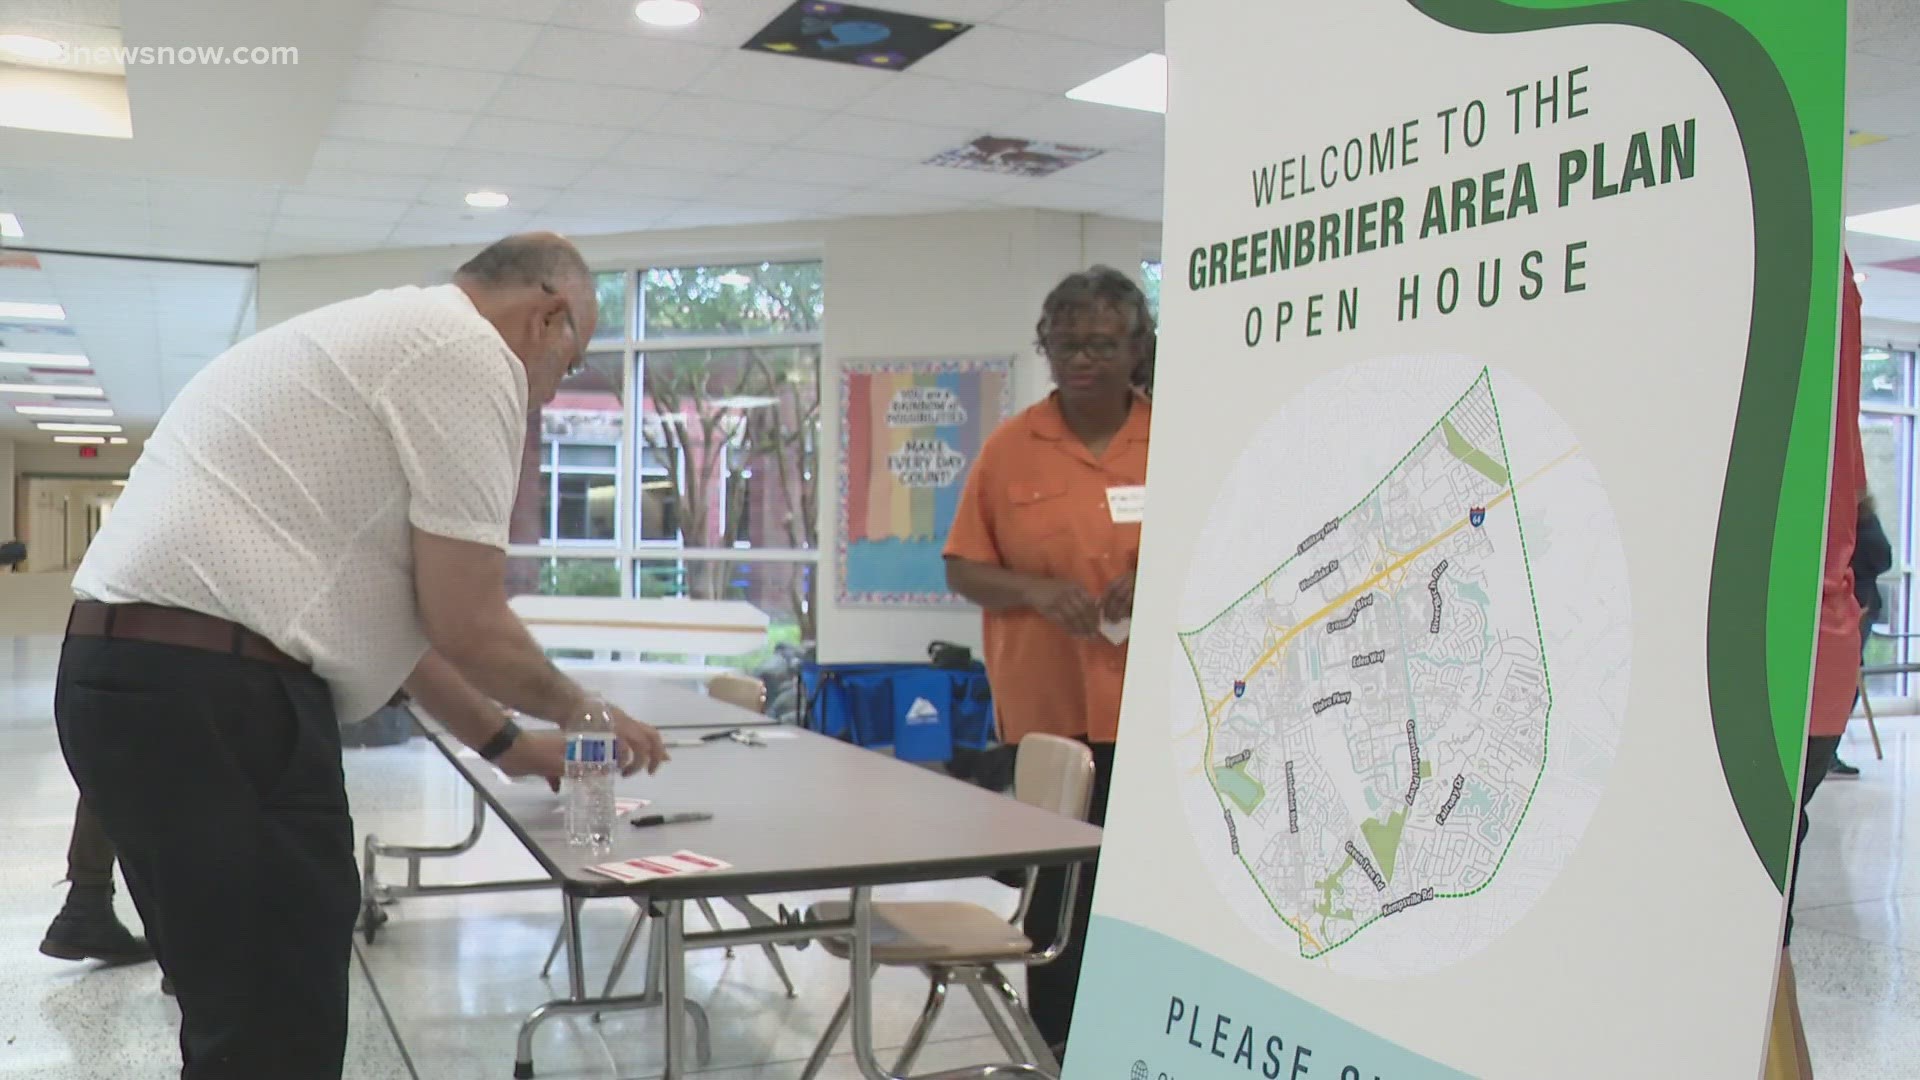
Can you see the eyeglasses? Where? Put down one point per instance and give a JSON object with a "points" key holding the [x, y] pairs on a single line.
{"points": [[572, 328], [1100, 349]]}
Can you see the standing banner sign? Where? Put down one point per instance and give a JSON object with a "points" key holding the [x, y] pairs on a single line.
{"points": [[1472, 646]]}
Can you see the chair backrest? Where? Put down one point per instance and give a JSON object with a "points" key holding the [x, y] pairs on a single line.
{"points": [[1054, 774], [735, 688]]}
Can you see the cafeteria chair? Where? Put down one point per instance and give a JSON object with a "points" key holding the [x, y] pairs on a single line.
{"points": [[964, 943]]}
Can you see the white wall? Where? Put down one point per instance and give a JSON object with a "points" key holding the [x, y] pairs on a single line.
{"points": [[937, 286]]}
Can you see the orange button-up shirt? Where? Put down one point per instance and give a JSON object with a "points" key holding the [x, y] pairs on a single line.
{"points": [[1036, 502]]}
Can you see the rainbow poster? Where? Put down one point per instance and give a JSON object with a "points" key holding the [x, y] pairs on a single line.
{"points": [[909, 432]]}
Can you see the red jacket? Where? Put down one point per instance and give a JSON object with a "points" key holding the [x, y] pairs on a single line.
{"points": [[1836, 664]]}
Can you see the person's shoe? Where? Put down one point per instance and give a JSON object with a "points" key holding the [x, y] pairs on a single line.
{"points": [[87, 929], [166, 986], [1840, 770]]}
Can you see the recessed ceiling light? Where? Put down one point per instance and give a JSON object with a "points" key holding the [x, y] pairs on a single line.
{"points": [[81, 440], [1859, 277], [43, 359], [15, 310], [10, 227], [62, 410], [668, 13], [486, 200], [1902, 223], [1139, 84], [30, 47], [105, 429]]}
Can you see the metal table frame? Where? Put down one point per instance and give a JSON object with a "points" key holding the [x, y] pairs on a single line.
{"points": [[671, 941]]}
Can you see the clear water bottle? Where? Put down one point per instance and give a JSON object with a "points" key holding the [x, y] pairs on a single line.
{"points": [[592, 767]]}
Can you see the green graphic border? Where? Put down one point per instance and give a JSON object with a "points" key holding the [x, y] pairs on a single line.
{"points": [[1781, 67], [1546, 674]]}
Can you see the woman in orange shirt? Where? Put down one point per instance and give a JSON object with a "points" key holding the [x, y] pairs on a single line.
{"points": [[1046, 540]]}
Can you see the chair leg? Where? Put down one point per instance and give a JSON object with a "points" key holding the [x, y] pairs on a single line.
{"points": [[713, 920], [1872, 728], [824, 1048], [1016, 1050], [1043, 1054], [626, 949], [937, 981], [559, 939], [780, 969]]}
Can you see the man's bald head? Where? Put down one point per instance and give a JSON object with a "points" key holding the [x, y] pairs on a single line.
{"points": [[536, 289]]}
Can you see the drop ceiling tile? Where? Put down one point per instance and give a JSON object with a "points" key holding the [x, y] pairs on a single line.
{"points": [[525, 97], [740, 121], [404, 36], [350, 186], [498, 171], [725, 25], [916, 98], [950, 183], [603, 224], [611, 204], [448, 236], [402, 126], [1057, 193], [1149, 208], [366, 211], [705, 217], [875, 203], [886, 140], [755, 193], [1081, 123], [1023, 60], [231, 196], [1132, 24], [809, 167], [375, 159], [462, 222], [63, 184], [640, 182], [688, 153], [618, 59], [296, 247], [1129, 169], [58, 218], [417, 86], [968, 11], [500, 135], [532, 11], [366, 234], [788, 80]]}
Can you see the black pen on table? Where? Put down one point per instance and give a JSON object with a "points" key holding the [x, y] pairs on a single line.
{"points": [[669, 819]]}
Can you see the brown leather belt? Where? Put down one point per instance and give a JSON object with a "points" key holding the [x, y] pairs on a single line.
{"points": [[174, 626]]}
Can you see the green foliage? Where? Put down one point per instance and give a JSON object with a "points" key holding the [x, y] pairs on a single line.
{"points": [[753, 299], [580, 577], [610, 289], [1150, 280]]}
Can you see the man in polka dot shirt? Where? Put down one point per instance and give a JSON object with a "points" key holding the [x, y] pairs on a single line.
{"points": [[319, 518]]}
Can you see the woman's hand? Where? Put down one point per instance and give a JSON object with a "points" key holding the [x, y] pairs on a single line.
{"points": [[1066, 604]]}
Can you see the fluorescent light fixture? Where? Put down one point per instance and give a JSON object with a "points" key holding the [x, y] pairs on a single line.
{"points": [[1901, 223], [44, 359], [110, 429], [667, 13], [486, 200], [51, 390], [61, 410], [15, 310], [80, 440], [118, 440], [30, 47], [10, 227], [1138, 84]]}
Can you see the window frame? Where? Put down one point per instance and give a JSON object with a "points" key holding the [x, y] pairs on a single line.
{"points": [[1905, 417]]}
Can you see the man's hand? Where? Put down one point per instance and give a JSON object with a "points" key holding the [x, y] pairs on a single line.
{"points": [[1067, 604], [640, 746], [1117, 604], [536, 753]]}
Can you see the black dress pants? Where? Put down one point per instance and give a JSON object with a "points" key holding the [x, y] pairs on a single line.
{"points": [[218, 778], [1051, 987]]}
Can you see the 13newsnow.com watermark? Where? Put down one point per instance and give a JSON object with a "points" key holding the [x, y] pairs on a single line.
{"points": [[127, 56]]}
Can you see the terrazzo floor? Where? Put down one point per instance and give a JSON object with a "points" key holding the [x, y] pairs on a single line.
{"points": [[441, 992]]}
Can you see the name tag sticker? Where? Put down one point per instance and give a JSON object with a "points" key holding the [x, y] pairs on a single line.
{"points": [[1127, 504]]}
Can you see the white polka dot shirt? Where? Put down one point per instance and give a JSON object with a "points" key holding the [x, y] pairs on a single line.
{"points": [[278, 489]]}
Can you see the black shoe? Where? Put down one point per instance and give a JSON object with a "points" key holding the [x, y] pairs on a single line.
{"points": [[166, 986], [1840, 770], [87, 929]]}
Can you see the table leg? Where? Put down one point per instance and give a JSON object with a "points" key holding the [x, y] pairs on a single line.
{"points": [[672, 930], [576, 968]]}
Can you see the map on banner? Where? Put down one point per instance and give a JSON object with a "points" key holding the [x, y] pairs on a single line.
{"points": [[1377, 709]]}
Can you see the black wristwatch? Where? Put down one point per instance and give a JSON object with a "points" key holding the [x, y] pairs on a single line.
{"points": [[502, 740]]}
